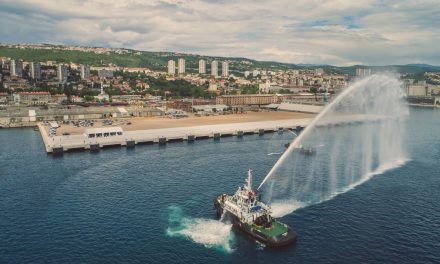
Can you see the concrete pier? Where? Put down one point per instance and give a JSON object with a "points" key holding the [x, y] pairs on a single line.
{"points": [[162, 140], [164, 135], [57, 150], [95, 147], [130, 144], [56, 144]]}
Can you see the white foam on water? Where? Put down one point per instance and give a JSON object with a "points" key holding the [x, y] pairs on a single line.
{"points": [[259, 245], [210, 233], [285, 207]]}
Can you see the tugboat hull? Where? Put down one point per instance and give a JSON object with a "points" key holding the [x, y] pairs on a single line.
{"points": [[286, 238]]}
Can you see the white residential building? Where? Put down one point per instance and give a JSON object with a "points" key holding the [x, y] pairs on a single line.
{"points": [[212, 87], [225, 69], [214, 68], [16, 68], [35, 70], [202, 66], [171, 67], [363, 72], [264, 87], [181, 66], [85, 71], [62, 73]]}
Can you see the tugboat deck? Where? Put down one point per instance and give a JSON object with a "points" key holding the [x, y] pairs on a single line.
{"points": [[276, 229]]}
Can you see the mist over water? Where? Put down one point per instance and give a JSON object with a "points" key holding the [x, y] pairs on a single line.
{"points": [[361, 133], [208, 232]]}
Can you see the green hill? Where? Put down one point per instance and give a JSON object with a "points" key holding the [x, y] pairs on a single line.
{"points": [[159, 60], [144, 59]]}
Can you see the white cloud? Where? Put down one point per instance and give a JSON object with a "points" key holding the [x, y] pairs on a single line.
{"points": [[337, 32]]}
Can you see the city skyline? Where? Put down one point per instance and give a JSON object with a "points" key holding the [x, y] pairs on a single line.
{"points": [[340, 33]]}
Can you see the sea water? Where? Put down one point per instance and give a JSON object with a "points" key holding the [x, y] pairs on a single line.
{"points": [[154, 204]]}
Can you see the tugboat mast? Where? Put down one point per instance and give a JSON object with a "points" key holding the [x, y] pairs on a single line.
{"points": [[249, 180]]}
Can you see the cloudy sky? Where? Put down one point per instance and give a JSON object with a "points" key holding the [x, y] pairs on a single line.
{"points": [[340, 32]]}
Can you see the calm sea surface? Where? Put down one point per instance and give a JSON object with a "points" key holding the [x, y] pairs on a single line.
{"points": [[121, 206]]}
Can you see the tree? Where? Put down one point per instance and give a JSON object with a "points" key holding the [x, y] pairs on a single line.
{"points": [[68, 91], [285, 91], [88, 98], [249, 89]]}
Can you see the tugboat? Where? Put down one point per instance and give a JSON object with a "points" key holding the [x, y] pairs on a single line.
{"points": [[301, 149], [307, 151], [249, 214]]}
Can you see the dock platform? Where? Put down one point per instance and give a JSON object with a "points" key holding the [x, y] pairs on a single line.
{"points": [[115, 137], [59, 144]]}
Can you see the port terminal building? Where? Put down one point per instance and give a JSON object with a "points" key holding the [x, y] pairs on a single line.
{"points": [[103, 132]]}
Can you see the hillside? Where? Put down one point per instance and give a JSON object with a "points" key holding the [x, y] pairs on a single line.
{"points": [[144, 59], [158, 61]]}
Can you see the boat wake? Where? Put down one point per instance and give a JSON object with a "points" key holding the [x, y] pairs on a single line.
{"points": [[274, 153], [281, 208], [210, 233]]}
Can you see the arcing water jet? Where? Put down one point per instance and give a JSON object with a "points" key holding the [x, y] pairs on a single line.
{"points": [[360, 133]]}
